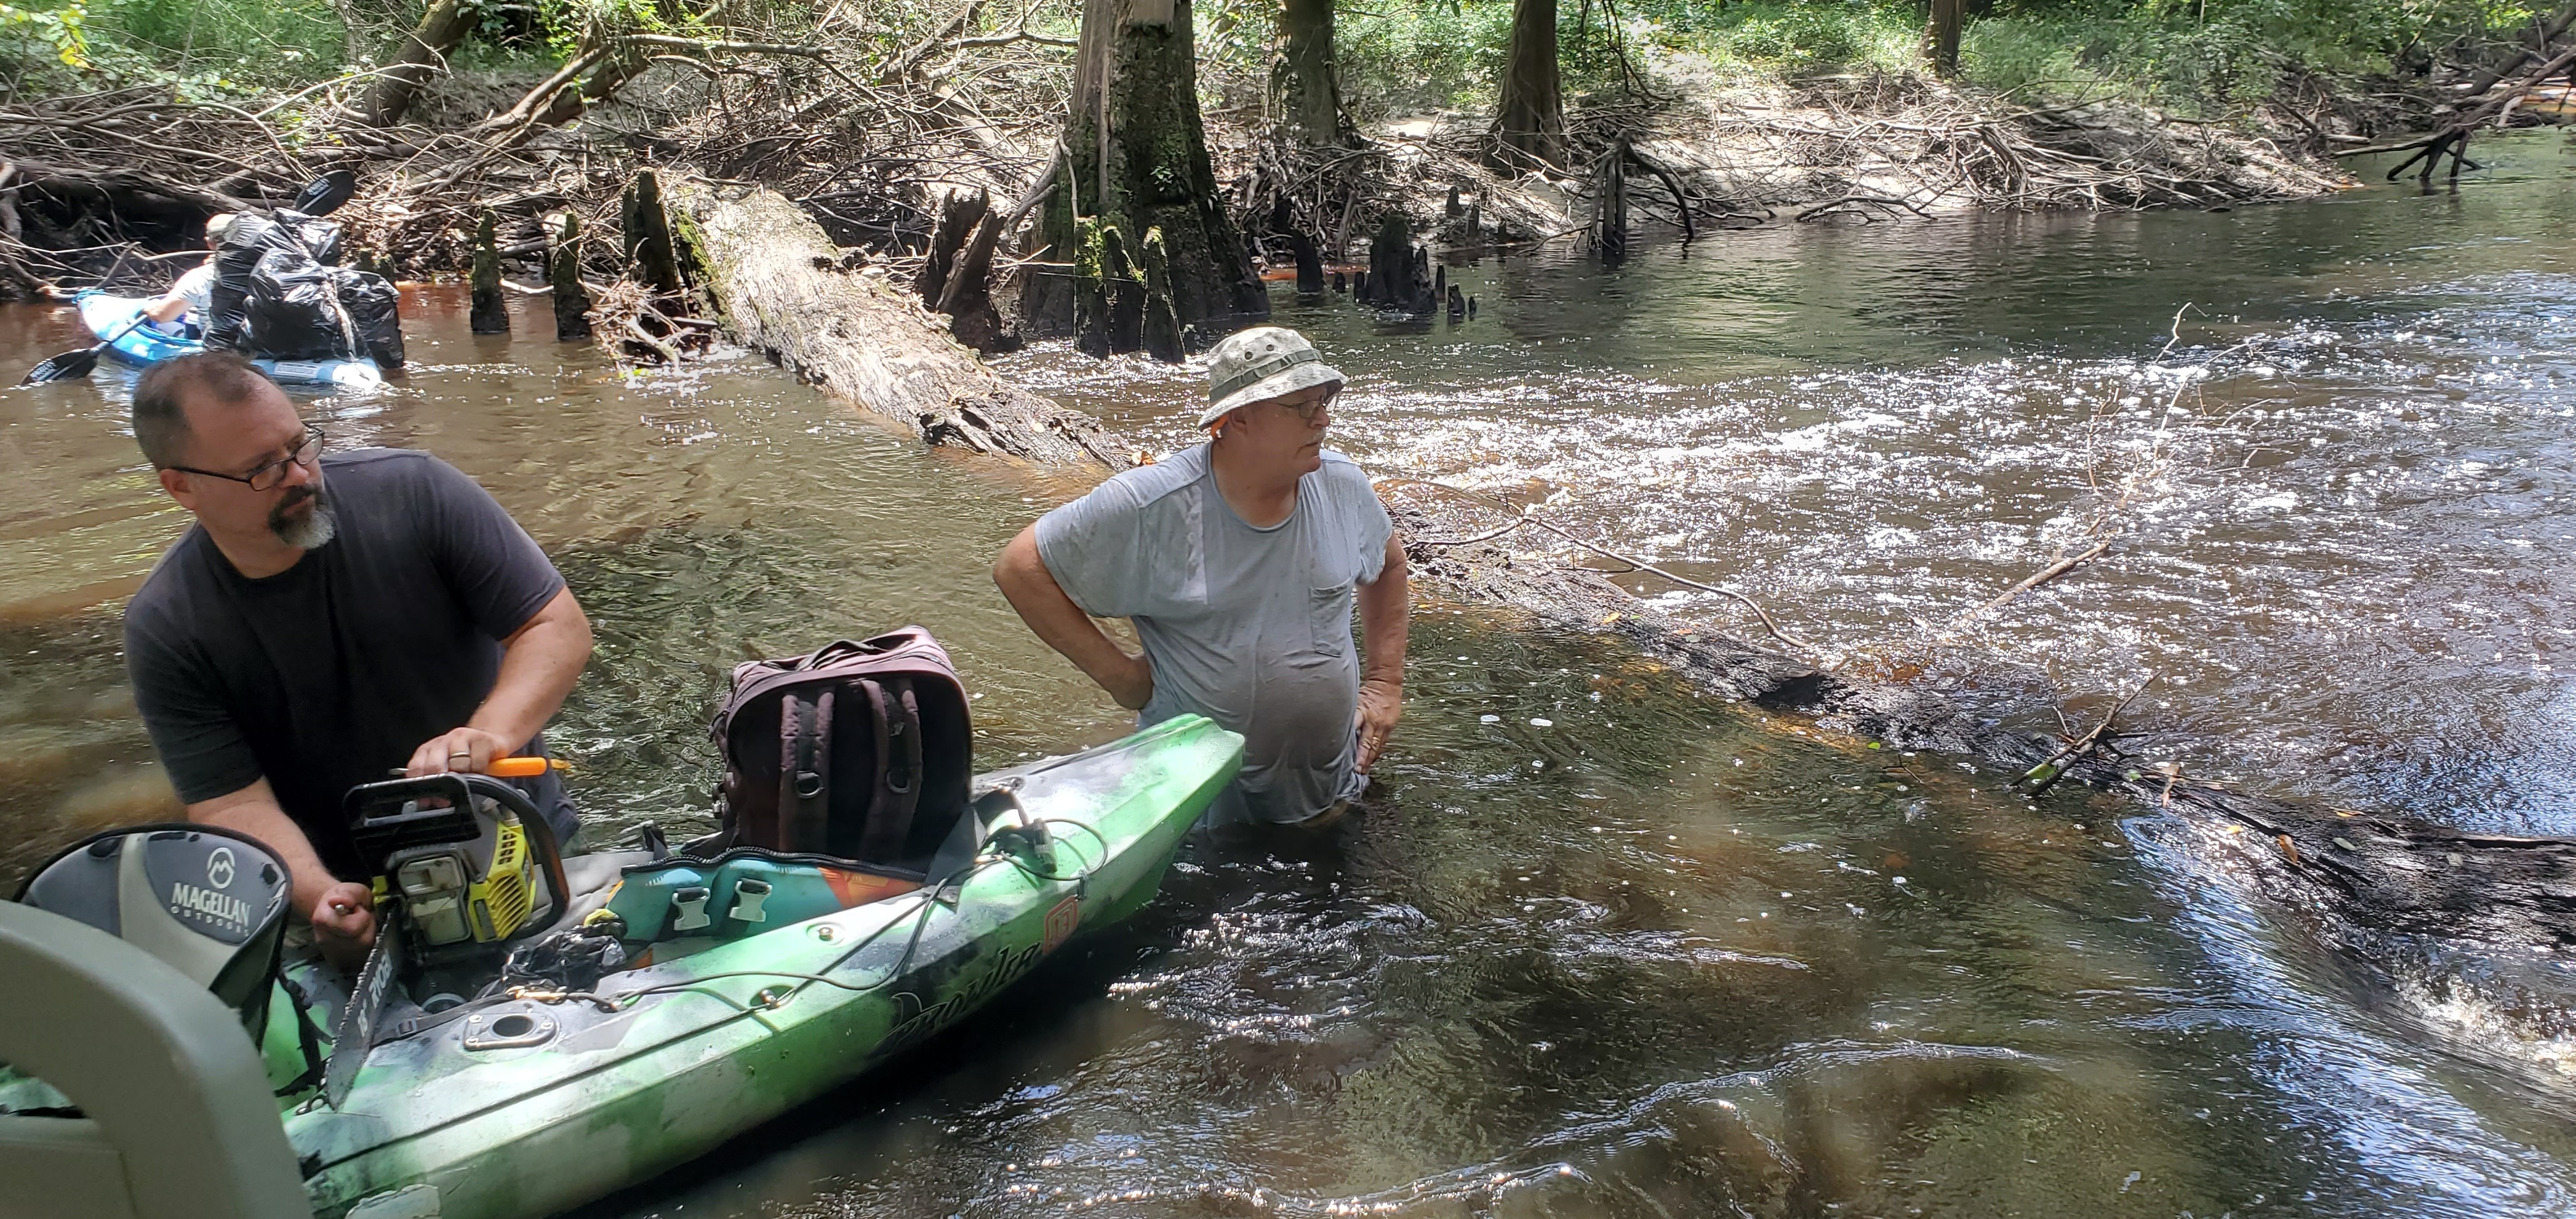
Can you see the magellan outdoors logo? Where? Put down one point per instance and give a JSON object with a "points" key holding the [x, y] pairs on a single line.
{"points": [[189, 901], [219, 868]]}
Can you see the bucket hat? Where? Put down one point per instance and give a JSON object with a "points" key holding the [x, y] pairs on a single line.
{"points": [[1259, 364]]}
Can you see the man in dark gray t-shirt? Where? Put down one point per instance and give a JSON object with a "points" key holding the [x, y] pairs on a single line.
{"points": [[295, 643]]}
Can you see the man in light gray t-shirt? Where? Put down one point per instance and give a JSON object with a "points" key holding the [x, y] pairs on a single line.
{"points": [[1240, 562]]}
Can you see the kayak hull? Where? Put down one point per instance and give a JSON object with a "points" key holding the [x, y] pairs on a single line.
{"points": [[106, 313], [609, 1098]]}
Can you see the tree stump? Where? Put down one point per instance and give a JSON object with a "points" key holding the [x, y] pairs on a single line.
{"points": [[967, 298], [572, 300], [490, 313], [959, 217], [777, 280]]}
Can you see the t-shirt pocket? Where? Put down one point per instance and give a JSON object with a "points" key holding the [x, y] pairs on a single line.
{"points": [[1328, 615]]}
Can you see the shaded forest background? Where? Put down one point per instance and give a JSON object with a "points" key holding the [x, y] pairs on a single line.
{"points": [[1335, 127], [1396, 57]]}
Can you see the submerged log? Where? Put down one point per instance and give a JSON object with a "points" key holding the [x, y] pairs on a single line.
{"points": [[2372, 873], [776, 278]]}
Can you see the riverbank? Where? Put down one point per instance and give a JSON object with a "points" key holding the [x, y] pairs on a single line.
{"points": [[869, 134]]}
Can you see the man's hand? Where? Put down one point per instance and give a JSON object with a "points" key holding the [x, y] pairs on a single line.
{"points": [[344, 922], [462, 751], [1381, 704]]}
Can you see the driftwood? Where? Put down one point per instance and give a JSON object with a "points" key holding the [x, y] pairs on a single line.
{"points": [[780, 285]]}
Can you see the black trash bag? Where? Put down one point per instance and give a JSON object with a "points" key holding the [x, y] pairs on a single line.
{"points": [[573, 958], [293, 312], [253, 237], [320, 238], [375, 313]]}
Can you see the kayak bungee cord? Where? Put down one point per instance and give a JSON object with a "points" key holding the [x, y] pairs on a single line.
{"points": [[920, 915]]}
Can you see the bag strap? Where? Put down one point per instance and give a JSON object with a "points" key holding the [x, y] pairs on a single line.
{"points": [[804, 770], [896, 716]]}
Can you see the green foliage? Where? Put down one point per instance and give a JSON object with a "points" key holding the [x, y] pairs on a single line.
{"points": [[249, 43], [2214, 53], [1788, 38], [202, 48]]}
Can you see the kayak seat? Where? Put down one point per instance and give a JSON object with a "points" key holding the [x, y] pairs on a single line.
{"points": [[208, 902]]}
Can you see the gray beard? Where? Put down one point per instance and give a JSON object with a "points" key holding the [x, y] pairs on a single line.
{"points": [[313, 532]]}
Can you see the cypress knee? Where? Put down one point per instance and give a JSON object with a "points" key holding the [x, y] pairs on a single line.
{"points": [[648, 234], [1125, 290], [1162, 322], [1090, 292], [572, 300], [490, 315], [1310, 264]]}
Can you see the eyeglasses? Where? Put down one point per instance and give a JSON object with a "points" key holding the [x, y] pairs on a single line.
{"points": [[1306, 411], [267, 476]]}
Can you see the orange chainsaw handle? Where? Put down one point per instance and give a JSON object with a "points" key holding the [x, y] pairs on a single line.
{"points": [[518, 768]]}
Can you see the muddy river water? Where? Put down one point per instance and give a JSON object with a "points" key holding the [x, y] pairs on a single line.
{"points": [[1605, 947]]}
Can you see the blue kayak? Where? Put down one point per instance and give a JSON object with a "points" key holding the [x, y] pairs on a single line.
{"points": [[106, 313]]}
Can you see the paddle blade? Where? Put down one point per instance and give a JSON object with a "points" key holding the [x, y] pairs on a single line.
{"points": [[65, 367]]}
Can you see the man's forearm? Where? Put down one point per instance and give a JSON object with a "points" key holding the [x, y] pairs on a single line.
{"points": [[254, 811], [538, 668], [1386, 616]]}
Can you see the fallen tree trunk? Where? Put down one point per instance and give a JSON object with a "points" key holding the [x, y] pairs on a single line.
{"points": [[779, 283]]}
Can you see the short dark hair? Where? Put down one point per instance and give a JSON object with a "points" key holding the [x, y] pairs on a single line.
{"points": [[161, 418]]}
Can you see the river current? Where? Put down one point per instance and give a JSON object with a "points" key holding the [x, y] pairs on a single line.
{"points": [[1603, 946]]}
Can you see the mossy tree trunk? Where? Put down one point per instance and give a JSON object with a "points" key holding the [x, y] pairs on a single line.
{"points": [[1137, 160], [1531, 117], [1304, 81], [1941, 36], [422, 55]]}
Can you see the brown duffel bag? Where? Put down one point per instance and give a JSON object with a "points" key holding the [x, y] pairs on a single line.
{"points": [[859, 751]]}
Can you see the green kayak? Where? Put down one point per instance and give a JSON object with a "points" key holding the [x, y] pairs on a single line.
{"points": [[529, 1105]]}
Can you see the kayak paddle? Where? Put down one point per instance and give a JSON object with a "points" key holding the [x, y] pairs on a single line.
{"points": [[72, 365]]}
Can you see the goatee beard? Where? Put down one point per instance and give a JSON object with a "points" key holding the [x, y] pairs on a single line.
{"points": [[314, 531]]}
